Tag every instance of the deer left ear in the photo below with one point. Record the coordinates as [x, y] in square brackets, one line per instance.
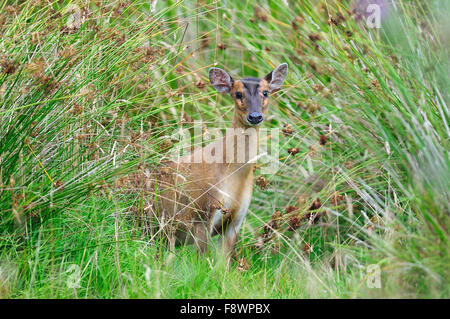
[220, 79]
[276, 77]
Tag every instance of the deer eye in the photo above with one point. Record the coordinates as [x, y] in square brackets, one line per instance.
[266, 93]
[238, 95]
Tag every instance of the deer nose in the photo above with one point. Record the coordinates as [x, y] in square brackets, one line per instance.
[255, 118]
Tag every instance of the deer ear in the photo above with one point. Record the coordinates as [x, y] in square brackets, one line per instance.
[276, 77]
[220, 79]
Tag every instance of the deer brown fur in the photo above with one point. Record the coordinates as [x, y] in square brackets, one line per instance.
[196, 200]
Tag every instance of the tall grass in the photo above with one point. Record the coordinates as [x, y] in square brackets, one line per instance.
[364, 163]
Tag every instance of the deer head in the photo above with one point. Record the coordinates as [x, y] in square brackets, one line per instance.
[251, 95]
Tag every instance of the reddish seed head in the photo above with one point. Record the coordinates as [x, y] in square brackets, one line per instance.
[313, 217]
[274, 224]
[179, 69]
[76, 109]
[59, 185]
[287, 129]
[336, 198]
[315, 205]
[200, 84]
[276, 215]
[312, 107]
[297, 22]
[68, 52]
[262, 182]
[317, 216]
[7, 66]
[332, 21]
[349, 164]
[267, 232]
[375, 83]
[291, 209]
[205, 41]
[12, 9]
[314, 37]
[243, 264]
[301, 105]
[267, 228]
[312, 65]
[293, 150]
[36, 68]
[294, 223]
[323, 140]
[306, 248]
[318, 88]
[259, 14]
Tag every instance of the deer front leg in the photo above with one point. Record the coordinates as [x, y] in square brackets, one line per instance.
[230, 236]
[200, 235]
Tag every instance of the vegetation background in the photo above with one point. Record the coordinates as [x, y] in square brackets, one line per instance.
[92, 90]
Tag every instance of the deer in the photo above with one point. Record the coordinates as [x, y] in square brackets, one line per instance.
[196, 200]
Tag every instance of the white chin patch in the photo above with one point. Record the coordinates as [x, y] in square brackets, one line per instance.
[252, 125]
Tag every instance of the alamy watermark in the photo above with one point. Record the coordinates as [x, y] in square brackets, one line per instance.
[370, 274]
[200, 144]
[74, 276]
[74, 18]
[371, 12]
[373, 276]
[373, 19]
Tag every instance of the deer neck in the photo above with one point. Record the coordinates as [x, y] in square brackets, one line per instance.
[243, 144]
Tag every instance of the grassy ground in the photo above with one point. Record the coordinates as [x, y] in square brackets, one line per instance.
[91, 91]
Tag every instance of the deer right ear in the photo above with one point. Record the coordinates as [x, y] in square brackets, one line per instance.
[276, 77]
[220, 79]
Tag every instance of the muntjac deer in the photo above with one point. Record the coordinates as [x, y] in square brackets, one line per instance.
[197, 199]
